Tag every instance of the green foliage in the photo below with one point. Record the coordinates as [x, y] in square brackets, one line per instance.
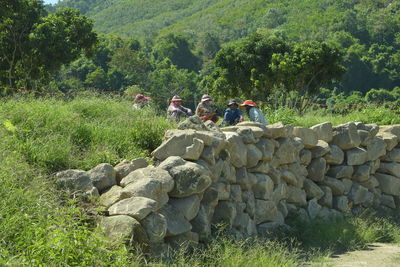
[99, 130]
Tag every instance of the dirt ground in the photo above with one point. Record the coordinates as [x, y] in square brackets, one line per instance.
[377, 254]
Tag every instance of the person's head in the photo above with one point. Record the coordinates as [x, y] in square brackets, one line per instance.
[176, 100]
[206, 99]
[141, 98]
[233, 104]
[248, 104]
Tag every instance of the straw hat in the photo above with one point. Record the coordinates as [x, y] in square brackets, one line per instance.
[206, 98]
[233, 101]
[176, 98]
[141, 97]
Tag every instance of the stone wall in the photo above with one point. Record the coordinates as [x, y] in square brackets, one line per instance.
[249, 177]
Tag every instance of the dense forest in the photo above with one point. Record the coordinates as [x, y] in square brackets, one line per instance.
[234, 48]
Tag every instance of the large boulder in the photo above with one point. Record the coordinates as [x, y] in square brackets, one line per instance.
[225, 212]
[266, 211]
[194, 123]
[335, 156]
[345, 136]
[326, 199]
[296, 196]
[312, 190]
[188, 206]
[155, 226]
[392, 168]
[126, 167]
[112, 196]
[321, 149]
[313, 208]
[287, 152]
[356, 156]
[276, 130]
[393, 155]
[150, 182]
[391, 140]
[324, 131]
[341, 203]
[335, 185]
[376, 148]
[201, 224]
[74, 180]
[316, 169]
[123, 228]
[103, 176]
[267, 148]
[262, 186]
[176, 222]
[237, 149]
[361, 173]
[136, 207]
[305, 156]
[360, 195]
[183, 144]
[308, 136]
[388, 184]
[190, 178]
[341, 171]
[254, 155]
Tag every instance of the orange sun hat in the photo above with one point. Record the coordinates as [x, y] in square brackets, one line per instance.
[250, 103]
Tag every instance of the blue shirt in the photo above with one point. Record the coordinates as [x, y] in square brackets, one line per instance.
[232, 116]
[256, 115]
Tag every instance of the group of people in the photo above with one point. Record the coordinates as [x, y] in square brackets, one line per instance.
[207, 111]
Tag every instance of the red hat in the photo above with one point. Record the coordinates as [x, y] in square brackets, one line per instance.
[141, 97]
[250, 103]
[176, 98]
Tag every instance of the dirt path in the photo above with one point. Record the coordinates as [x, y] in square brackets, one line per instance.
[376, 255]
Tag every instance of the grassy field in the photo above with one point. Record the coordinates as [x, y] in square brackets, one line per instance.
[41, 226]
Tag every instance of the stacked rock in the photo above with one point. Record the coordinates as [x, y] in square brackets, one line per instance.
[247, 177]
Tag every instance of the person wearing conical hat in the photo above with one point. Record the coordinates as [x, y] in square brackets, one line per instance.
[205, 109]
[176, 111]
[232, 114]
[140, 101]
[253, 112]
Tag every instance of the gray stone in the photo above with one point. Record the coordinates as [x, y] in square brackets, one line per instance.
[356, 156]
[280, 192]
[74, 180]
[296, 196]
[361, 173]
[360, 195]
[393, 155]
[345, 136]
[193, 122]
[321, 149]
[236, 193]
[392, 168]
[248, 198]
[388, 201]
[266, 211]
[210, 197]
[341, 203]
[313, 208]
[267, 229]
[341, 171]
[336, 185]
[275, 175]
[176, 222]
[150, 182]
[123, 228]
[267, 148]
[372, 128]
[183, 144]
[347, 185]
[391, 129]
[224, 189]
[247, 135]
[103, 176]
[225, 212]
[136, 207]
[371, 183]
[289, 177]
[188, 240]
[112, 196]
[124, 168]
[188, 206]
[365, 137]
[312, 190]
[282, 208]
[254, 155]
[262, 167]
[335, 156]
[324, 131]
[242, 178]
[390, 140]
[326, 200]
[262, 186]
[287, 152]
[276, 130]
[305, 157]
[208, 155]
[388, 184]
[237, 149]
[155, 225]
[202, 224]
[308, 136]
[190, 178]
[228, 172]
[316, 169]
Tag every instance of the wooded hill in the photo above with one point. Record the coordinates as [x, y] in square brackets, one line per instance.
[368, 30]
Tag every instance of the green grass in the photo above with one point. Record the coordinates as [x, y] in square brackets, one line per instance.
[40, 226]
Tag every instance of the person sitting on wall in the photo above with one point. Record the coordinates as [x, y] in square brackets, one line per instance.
[176, 111]
[206, 110]
[253, 112]
[232, 114]
[140, 101]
